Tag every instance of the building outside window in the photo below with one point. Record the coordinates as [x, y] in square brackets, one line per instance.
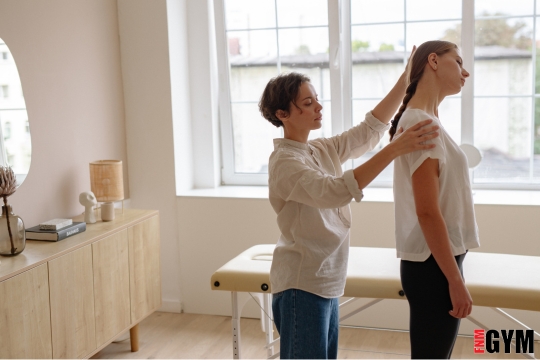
[499, 114]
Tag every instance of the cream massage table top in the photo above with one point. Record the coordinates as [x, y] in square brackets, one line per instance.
[494, 280]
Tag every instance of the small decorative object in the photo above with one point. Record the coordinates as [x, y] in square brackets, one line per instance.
[88, 200]
[12, 234]
[107, 182]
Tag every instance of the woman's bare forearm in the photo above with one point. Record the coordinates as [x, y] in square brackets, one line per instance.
[365, 173]
[434, 229]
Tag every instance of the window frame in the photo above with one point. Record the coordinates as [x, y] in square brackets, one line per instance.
[340, 68]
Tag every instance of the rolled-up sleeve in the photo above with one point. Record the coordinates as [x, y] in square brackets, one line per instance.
[352, 185]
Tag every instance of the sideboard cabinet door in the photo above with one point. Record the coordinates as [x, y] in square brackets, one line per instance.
[25, 324]
[144, 268]
[111, 286]
[72, 304]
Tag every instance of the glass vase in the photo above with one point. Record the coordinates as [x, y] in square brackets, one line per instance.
[12, 234]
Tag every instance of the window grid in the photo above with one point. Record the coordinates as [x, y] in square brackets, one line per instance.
[342, 86]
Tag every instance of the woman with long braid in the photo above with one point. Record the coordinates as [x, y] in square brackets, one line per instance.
[435, 221]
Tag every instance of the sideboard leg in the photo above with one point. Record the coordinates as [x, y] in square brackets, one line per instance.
[134, 336]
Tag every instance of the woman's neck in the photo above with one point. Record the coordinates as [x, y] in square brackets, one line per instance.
[427, 97]
[292, 134]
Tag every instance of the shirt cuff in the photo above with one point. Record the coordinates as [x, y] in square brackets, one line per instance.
[375, 123]
[352, 185]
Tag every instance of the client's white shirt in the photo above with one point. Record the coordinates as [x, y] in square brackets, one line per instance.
[310, 194]
[455, 196]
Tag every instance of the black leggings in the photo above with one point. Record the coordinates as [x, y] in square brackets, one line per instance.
[433, 330]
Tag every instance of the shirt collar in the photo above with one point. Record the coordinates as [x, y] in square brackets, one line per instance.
[287, 142]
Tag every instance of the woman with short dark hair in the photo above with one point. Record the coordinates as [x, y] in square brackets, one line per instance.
[310, 194]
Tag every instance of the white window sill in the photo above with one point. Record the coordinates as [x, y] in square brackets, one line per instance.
[481, 197]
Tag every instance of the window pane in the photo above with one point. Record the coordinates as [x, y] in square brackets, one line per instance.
[503, 7]
[537, 49]
[418, 33]
[369, 11]
[360, 108]
[502, 131]
[304, 44]
[252, 44]
[252, 139]
[302, 12]
[248, 83]
[373, 78]
[503, 57]
[433, 10]
[537, 140]
[375, 38]
[252, 64]
[249, 14]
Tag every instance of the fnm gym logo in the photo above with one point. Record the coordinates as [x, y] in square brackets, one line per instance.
[490, 341]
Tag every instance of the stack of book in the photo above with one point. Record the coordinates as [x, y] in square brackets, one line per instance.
[55, 230]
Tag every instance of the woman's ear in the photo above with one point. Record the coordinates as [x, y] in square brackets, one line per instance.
[282, 115]
[433, 60]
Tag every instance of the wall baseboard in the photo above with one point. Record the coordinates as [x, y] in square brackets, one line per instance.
[174, 306]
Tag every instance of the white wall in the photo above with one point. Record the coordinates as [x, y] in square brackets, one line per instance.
[68, 57]
[146, 71]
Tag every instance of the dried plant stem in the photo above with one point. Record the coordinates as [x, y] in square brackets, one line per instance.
[13, 248]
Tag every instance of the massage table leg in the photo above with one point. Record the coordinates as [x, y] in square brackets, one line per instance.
[362, 308]
[235, 325]
[269, 328]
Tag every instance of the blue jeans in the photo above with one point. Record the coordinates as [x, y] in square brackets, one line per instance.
[308, 325]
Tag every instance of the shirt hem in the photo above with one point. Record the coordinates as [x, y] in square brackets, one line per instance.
[309, 291]
[425, 255]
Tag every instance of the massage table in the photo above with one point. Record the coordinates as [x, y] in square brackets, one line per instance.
[494, 280]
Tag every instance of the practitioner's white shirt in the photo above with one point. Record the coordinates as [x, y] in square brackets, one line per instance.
[310, 194]
[455, 196]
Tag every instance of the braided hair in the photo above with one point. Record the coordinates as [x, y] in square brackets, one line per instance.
[415, 70]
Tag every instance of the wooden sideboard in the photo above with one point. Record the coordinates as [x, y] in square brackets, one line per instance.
[71, 298]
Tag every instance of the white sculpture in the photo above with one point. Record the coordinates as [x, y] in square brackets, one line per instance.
[88, 200]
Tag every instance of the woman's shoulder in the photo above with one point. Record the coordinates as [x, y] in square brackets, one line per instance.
[412, 117]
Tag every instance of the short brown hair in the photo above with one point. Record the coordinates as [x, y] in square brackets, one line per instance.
[279, 93]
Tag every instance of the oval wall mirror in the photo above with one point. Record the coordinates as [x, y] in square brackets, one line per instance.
[15, 143]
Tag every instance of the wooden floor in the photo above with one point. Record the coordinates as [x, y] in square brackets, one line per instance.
[191, 336]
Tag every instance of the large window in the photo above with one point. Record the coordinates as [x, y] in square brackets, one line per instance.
[355, 50]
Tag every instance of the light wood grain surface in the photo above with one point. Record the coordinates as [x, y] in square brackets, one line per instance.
[25, 325]
[194, 336]
[144, 268]
[72, 304]
[39, 252]
[111, 285]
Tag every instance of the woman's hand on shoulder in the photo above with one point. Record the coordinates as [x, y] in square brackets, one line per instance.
[414, 138]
